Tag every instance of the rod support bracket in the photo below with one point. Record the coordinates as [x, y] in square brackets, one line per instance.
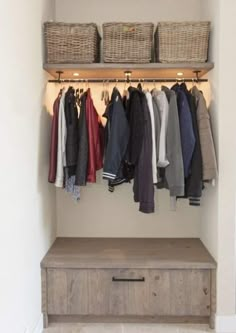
[197, 72]
[59, 75]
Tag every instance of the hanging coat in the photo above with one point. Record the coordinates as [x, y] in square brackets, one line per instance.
[209, 164]
[157, 119]
[61, 148]
[95, 158]
[136, 118]
[163, 106]
[174, 172]
[71, 114]
[82, 157]
[143, 180]
[54, 142]
[117, 129]
[194, 184]
[154, 154]
[186, 129]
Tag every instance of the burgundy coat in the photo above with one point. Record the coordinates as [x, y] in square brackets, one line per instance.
[95, 158]
[54, 142]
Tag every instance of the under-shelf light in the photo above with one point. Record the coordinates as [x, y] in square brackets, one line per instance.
[180, 74]
[76, 74]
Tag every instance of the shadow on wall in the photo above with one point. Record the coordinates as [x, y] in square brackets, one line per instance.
[46, 190]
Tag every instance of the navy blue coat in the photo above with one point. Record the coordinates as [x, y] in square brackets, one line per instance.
[186, 128]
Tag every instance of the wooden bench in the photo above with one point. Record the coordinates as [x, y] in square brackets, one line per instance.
[128, 280]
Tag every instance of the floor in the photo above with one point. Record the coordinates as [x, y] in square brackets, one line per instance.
[126, 328]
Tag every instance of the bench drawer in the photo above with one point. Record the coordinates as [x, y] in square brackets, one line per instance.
[125, 292]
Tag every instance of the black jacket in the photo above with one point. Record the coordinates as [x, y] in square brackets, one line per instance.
[117, 129]
[71, 115]
[136, 118]
[143, 180]
[82, 156]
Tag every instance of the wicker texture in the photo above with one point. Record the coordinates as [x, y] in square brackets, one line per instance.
[71, 43]
[182, 41]
[127, 42]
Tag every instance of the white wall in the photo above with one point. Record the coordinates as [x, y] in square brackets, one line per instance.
[209, 218]
[27, 201]
[227, 160]
[133, 10]
[218, 215]
[100, 213]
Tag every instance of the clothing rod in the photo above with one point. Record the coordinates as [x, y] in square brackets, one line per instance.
[127, 81]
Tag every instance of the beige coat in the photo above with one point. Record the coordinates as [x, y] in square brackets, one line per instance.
[206, 139]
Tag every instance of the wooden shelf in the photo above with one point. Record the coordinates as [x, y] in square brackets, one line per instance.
[139, 71]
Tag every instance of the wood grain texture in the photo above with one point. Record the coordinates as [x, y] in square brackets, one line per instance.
[57, 291]
[98, 292]
[180, 292]
[213, 298]
[129, 298]
[162, 293]
[128, 253]
[44, 290]
[93, 292]
[77, 291]
[116, 71]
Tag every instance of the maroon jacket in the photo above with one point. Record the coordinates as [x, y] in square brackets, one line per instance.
[54, 142]
[95, 158]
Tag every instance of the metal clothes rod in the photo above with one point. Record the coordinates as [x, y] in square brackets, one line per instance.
[128, 79]
[125, 80]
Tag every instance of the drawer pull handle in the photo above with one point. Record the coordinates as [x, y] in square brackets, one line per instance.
[115, 279]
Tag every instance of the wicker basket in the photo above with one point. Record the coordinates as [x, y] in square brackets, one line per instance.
[182, 41]
[71, 43]
[127, 42]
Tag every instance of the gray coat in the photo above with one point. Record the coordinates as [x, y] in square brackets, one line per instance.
[174, 172]
[157, 120]
[209, 164]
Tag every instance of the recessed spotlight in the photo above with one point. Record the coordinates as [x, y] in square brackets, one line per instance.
[76, 74]
[180, 74]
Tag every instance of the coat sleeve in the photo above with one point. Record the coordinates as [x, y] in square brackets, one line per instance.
[53, 144]
[175, 170]
[82, 158]
[206, 141]
[94, 150]
[143, 180]
[118, 141]
[60, 171]
[136, 128]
